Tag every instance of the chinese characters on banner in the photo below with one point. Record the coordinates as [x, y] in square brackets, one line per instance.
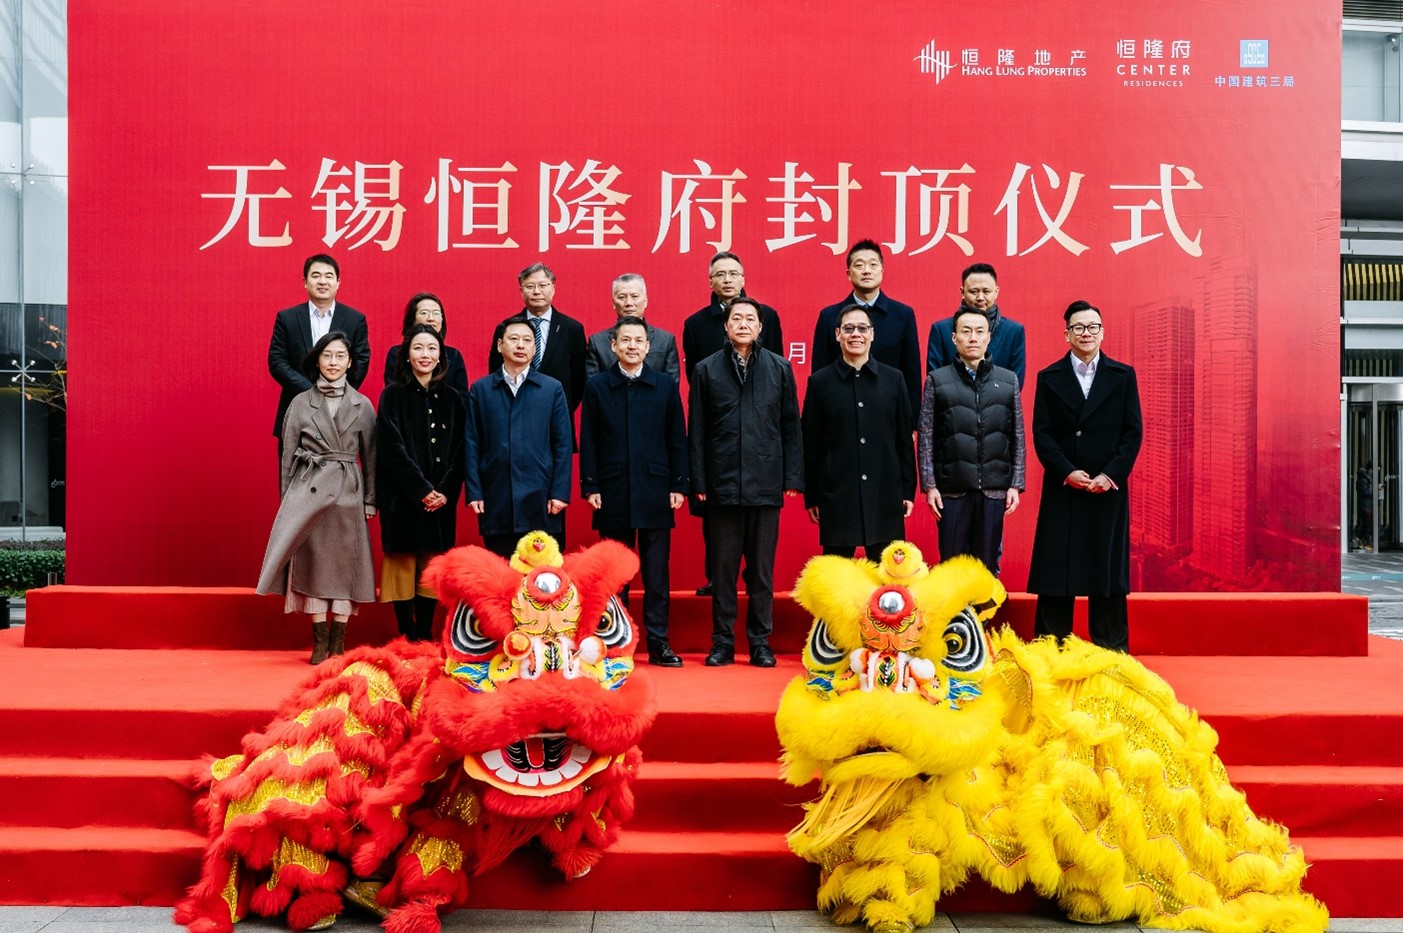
[583, 208]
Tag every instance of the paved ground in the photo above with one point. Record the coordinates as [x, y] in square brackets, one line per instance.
[1380, 577]
[157, 920]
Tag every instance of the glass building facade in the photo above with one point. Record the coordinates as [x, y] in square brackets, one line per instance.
[33, 265]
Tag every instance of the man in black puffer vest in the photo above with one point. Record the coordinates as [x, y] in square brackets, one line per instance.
[971, 448]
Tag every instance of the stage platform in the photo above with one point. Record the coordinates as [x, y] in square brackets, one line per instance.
[93, 809]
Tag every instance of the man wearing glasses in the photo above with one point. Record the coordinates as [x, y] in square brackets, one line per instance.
[859, 468]
[1086, 431]
[972, 453]
[979, 289]
[894, 340]
[704, 333]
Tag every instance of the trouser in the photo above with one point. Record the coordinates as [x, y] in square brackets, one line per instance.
[873, 551]
[654, 547]
[415, 617]
[1107, 620]
[972, 524]
[751, 532]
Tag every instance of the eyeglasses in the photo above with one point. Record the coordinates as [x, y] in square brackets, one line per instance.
[533, 287]
[728, 274]
[856, 328]
[1079, 329]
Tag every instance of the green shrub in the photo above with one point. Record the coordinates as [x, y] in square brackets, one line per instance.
[25, 565]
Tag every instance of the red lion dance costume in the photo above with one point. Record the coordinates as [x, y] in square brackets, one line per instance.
[394, 773]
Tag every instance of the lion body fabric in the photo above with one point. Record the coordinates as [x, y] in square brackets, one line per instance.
[944, 752]
[394, 774]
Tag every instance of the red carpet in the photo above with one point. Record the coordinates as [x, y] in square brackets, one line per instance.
[94, 743]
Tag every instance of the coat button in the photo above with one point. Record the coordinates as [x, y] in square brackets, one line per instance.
[433, 440]
[859, 404]
[438, 460]
[1078, 434]
[864, 477]
[862, 440]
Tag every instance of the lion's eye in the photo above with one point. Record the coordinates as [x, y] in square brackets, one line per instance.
[892, 603]
[467, 637]
[964, 643]
[821, 647]
[615, 629]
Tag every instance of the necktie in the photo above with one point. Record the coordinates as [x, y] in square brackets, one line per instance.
[536, 325]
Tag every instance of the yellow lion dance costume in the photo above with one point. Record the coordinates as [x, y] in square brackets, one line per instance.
[942, 751]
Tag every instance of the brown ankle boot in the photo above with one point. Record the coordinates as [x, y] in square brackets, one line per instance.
[320, 647]
[338, 638]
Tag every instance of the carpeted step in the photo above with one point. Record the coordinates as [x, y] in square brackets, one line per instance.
[97, 865]
[1248, 624]
[732, 796]
[67, 792]
[1323, 799]
[1355, 876]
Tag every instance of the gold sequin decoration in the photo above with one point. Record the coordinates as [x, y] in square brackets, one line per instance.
[353, 724]
[359, 767]
[434, 853]
[1138, 733]
[378, 684]
[1020, 684]
[835, 855]
[462, 805]
[272, 789]
[1087, 813]
[231, 890]
[599, 822]
[1170, 903]
[1005, 849]
[298, 754]
[224, 767]
[561, 820]
[294, 853]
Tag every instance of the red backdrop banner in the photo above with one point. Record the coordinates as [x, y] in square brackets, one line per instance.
[1175, 164]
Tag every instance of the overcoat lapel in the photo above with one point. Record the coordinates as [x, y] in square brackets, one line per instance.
[1107, 379]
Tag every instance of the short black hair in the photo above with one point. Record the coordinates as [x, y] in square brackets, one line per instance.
[309, 362]
[743, 300]
[966, 309]
[861, 245]
[403, 371]
[501, 329]
[409, 310]
[623, 321]
[725, 254]
[979, 268]
[866, 312]
[1076, 306]
[319, 257]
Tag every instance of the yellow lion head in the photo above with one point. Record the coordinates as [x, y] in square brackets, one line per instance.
[897, 654]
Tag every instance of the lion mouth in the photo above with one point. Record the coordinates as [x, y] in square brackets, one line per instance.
[539, 765]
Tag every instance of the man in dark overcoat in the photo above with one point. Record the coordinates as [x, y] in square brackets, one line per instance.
[517, 446]
[859, 469]
[747, 456]
[1086, 431]
[633, 468]
[296, 329]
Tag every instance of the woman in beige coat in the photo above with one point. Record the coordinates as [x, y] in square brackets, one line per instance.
[318, 553]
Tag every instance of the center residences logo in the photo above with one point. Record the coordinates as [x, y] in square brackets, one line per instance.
[1001, 62]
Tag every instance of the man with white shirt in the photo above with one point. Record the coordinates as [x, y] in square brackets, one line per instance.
[629, 294]
[517, 446]
[559, 338]
[297, 329]
[1086, 431]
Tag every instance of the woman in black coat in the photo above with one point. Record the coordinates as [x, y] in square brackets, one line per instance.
[426, 308]
[419, 438]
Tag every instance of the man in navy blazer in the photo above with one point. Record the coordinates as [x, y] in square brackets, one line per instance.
[560, 339]
[1086, 431]
[517, 446]
[1008, 345]
[634, 468]
[894, 338]
[297, 329]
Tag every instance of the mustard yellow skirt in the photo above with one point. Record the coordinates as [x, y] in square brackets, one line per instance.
[400, 575]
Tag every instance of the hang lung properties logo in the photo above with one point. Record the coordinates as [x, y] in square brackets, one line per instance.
[1001, 62]
[935, 61]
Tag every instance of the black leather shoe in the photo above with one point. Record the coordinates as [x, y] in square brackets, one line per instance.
[663, 656]
[720, 656]
[762, 656]
[706, 589]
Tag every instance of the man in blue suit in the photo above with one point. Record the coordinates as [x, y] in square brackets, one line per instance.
[634, 469]
[979, 289]
[518, 446]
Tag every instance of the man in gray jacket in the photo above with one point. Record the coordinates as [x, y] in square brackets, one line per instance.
[630, 296]
[971, 448]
